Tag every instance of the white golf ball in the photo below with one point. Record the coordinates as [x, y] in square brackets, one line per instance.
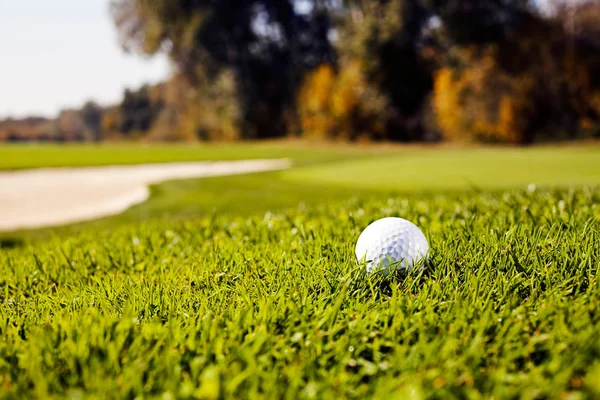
[390, 241]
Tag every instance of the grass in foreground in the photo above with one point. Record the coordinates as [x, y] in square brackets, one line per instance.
[274, 306]
[233, 289]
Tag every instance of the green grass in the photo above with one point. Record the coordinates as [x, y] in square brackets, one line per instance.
[247, 287]
[274, 305]
[323, 174]
[21, 156]
[461, 169]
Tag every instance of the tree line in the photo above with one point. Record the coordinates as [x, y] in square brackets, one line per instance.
[513, 71]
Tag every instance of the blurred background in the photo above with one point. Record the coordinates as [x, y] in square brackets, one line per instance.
[489, 71]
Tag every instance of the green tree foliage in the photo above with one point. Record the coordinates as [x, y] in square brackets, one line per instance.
[91, 114]
[138, 110]
[538, 82]
[266, 44]
[506, 72]
[387, 36]
[493, 70]
[403, 43]
[484, 69]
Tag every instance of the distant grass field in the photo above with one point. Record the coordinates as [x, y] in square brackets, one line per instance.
[322, 173]
[21, 156]
[460, 169]
[247, 287]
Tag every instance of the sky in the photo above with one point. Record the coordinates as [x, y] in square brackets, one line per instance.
[57, 54]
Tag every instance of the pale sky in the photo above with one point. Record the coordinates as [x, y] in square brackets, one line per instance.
[56, 54]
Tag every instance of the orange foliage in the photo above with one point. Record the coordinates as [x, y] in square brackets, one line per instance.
[445, 102]
[595, 102]
[340, 105]
[314, 102]
[479, 101]
[110, 122]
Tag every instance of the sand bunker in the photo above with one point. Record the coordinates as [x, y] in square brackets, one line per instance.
[56, 196]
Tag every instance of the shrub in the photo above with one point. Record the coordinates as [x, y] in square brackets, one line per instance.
[341, 105]
[476, 100]
[538, 84]
[191, 114]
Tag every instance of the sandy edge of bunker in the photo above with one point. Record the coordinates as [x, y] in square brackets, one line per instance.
[39, 198]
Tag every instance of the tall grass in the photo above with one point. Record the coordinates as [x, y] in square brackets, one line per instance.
[274, 306]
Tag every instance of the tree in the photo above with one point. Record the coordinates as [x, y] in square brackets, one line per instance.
[404, 42]
[249, 62]
[70, 125]
[138, 111]
[481, 21]
[267, 44]
[91, 115]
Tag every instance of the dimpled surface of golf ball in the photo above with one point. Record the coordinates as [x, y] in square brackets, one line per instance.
[391, 243]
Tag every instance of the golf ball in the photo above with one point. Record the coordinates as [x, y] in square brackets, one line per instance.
[391, 243]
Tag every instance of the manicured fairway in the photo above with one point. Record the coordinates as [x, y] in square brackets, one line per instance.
[323, 174]
[247, 287]
[461, 169]
[73, 155]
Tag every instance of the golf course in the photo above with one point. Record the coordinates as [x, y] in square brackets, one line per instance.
[247, 286]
